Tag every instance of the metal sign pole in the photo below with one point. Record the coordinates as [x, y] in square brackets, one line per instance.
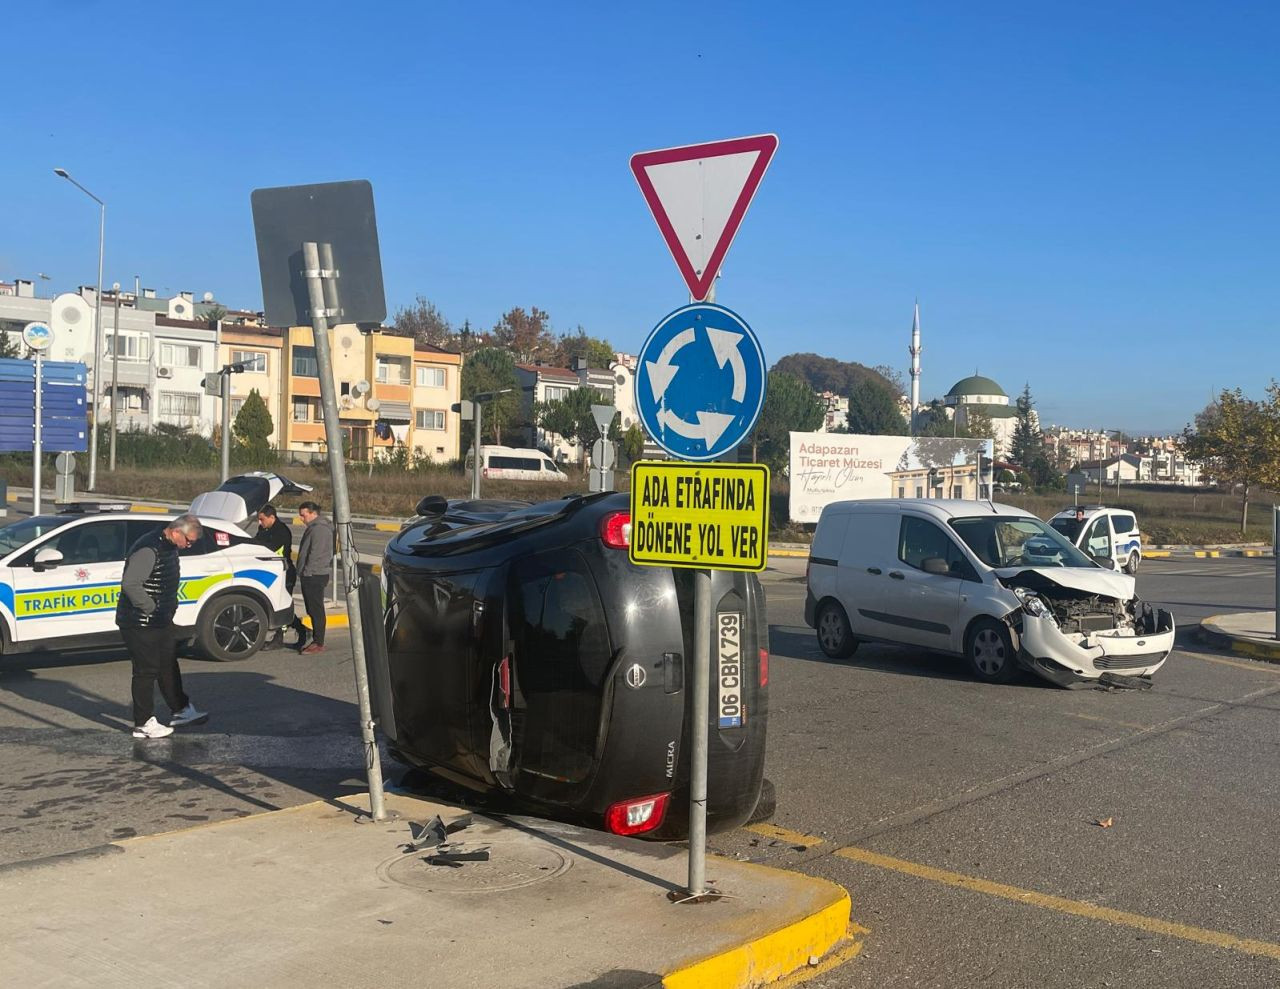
[1275, 558]
[475, 453]
[225, 392]
[115, 370]
[39, 448]
[320, 312]
[698, 741]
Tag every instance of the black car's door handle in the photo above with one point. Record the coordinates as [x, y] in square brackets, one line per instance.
[896, 575]
[874, 570]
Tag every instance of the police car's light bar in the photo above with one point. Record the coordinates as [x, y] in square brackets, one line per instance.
[92, 507]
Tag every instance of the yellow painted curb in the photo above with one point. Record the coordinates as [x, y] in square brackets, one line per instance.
[334, 620]
[800, 553]
[1207, 553]
[386, 526]
[11, 497]
[148, 508]
[1251, 553]
[1156, 554]
[770, 957]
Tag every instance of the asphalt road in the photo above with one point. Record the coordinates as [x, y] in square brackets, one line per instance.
[961, 817]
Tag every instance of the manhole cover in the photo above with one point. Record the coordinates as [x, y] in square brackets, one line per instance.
[510, 866]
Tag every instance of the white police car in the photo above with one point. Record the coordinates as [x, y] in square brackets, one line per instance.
[60, 578]
[1106, 533]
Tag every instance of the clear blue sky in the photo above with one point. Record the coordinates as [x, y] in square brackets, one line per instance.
[1082, 196]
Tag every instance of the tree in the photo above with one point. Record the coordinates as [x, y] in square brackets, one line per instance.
[932, 420]
[526, 334]
[9, 346]
[571, 417]
[873, 410]
[1027, 448]
[977, 424]
[1237, 440]
[789, 405]
[252, 429]
[893, 376]
[491, 369]
[425, 323]
[1027, 436]
[633, 443]
[598, 353]
[828, 374]
[215, 312]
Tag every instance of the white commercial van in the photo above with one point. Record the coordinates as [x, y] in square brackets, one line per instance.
[986, 581]
[510, 463]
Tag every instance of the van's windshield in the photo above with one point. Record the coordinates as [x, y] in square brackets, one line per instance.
[1017, 541]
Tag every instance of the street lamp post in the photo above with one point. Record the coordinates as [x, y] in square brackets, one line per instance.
[115, 368]
[475, 403]
[97, 327]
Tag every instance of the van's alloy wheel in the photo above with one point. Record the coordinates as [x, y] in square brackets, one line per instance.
[835, 637]
[989, 649]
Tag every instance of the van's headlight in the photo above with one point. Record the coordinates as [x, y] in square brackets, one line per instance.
[1032, 604]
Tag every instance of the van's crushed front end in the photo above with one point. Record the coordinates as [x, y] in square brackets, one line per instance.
[1073, 626]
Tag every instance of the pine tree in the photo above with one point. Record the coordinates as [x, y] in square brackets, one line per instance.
[252, 430]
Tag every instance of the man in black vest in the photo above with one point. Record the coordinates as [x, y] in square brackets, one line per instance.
[144, 613]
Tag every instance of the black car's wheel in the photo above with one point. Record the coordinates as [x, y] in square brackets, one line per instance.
[1131, 568]
[989, 649]
[835, 637]
[232, 627]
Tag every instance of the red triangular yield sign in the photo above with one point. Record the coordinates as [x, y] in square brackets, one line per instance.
[699, 195]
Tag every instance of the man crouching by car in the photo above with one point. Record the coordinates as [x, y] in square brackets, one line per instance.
[144, 613]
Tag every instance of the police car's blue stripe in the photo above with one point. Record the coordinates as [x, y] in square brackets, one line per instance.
[264, 577]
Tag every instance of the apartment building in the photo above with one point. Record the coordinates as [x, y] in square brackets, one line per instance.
[373, 378]
[258, 349]
[437, 385]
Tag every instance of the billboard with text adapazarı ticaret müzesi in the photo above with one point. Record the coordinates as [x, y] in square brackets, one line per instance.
[828, 467]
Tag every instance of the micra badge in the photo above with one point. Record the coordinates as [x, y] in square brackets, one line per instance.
[636, 675]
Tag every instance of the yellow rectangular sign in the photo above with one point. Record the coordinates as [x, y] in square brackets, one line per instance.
[713, 516]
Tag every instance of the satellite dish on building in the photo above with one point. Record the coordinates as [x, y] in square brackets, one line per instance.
[208, 297]
[361, 387]
[373, 405]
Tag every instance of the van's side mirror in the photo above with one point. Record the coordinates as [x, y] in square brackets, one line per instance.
[1103, 561]
[47, 559]
[936, 565]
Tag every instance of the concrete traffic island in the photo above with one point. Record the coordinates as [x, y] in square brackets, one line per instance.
[313, 895]
[1249, 633]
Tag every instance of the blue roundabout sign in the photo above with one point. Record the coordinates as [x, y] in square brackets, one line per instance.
[700, 382]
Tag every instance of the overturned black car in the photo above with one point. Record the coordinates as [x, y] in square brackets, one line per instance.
[527, 657]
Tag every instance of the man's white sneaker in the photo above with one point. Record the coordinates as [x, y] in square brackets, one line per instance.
[152, 729]
[188, 716]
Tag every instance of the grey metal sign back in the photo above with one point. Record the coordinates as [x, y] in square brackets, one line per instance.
[337, 213]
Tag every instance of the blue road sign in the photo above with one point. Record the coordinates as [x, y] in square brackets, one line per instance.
[700, 382]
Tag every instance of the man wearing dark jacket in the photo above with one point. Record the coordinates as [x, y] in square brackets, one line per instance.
[144, 613]
[275, 536]
[315, 559]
